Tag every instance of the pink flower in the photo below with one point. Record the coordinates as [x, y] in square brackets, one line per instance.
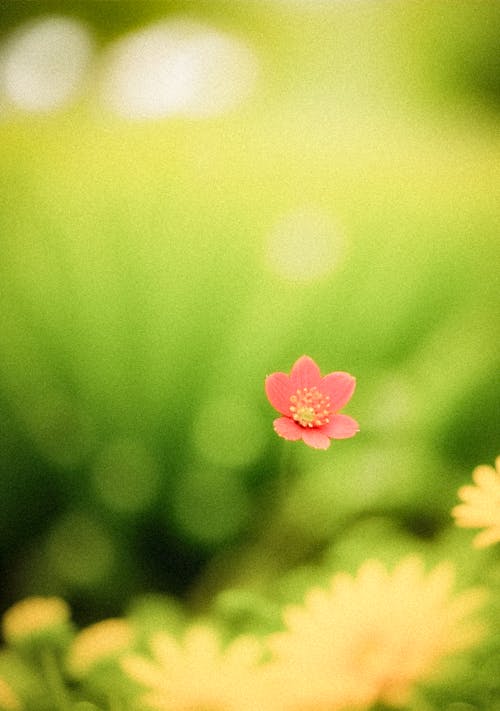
[310, 404]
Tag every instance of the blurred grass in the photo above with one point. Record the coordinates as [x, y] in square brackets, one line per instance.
[135, 296]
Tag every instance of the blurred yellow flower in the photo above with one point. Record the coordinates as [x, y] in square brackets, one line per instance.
[481, 505]
[33, 616]
[8, 698]
[368, 638]
[197, 674]
[100, 642]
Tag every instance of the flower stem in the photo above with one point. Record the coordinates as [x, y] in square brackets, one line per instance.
[54, 681]
[114, 704]
[285, 473]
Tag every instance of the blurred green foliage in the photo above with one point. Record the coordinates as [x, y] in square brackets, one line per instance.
[141, 310]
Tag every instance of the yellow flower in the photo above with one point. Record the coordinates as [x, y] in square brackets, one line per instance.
[368, 638]
[34, 616]
[100, 642]
[197, 674]
[481, 507]
[8, 698]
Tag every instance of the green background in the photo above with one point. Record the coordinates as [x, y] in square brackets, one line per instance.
[140, 313]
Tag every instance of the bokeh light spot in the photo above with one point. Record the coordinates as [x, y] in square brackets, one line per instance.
[210, 506]
[392, 403]
[79, 550]
[44, 63]
[304, 245]
[125, 476]
[228, 432]
[63, 431]
[177, 68]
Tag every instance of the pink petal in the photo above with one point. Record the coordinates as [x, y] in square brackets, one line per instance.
[278, 391]
[315, 438]
[340, 387]
[305, 373]
[340, 427]
[288, 428]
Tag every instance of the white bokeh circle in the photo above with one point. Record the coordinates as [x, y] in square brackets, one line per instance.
[177, 68]
[43, 64]
[304, 245]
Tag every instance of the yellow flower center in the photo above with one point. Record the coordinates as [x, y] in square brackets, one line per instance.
[310, 408]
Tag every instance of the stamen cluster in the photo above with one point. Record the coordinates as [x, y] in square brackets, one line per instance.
[310, 408]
